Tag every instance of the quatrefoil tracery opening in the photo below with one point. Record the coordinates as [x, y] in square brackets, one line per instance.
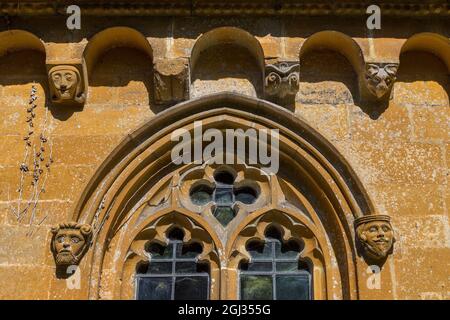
[224, 193]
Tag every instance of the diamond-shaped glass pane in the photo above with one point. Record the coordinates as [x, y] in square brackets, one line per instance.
[224, 215]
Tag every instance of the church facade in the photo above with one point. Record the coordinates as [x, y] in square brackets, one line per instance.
[224, 150]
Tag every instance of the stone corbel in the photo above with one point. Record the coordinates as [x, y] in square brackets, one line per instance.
[69, 243]
[379, 78]
[282, 81]
[375, 237]
[170, 81]
[68, 83]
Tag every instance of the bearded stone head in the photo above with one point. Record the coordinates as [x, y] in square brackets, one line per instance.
[376, 235]
[66, 84]
[69, 243]
[380, 78]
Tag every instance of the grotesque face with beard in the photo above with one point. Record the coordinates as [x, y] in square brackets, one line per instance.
[69, 242]
[375, 235]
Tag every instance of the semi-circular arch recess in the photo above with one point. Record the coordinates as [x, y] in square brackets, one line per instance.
[139, 180]
[19, 40]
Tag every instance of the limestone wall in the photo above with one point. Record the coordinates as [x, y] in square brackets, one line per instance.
[400, 149]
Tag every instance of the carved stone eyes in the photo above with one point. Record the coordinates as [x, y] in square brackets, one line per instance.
[75, 239]
[61, 239]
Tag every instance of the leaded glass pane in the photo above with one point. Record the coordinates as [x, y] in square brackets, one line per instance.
[152, 288]
[292, 281]
[159, 267]
[286, 251]
[260, 250]
[256, 287]
[245, 195]
[186, 267]
[292, 287]
[260, 266]
[201, 195]
[224, 215]
[287, 266]
[160, 275]
[224, 177]
[158, 251]
[188, 251]
[224, 196]
[191, 288]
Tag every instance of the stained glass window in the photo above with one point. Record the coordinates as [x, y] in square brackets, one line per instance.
[224, 195]
[274, 272]
[173, 272]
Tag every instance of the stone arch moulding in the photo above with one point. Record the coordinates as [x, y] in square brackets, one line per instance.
[138, 180]
[18, 40]
[111, 38]
[154, 229]
[335, 41]
[229, 36]
[293, 226]
[375, 78]
[429, 42]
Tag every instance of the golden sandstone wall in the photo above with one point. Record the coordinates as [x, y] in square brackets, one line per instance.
[399, 150]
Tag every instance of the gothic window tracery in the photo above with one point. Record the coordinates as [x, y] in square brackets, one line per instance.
[274, 271]
[173, 271]
[224, 194]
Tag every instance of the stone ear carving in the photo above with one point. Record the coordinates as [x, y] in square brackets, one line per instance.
[282, 81]
[70, 242]
[66, 85]
[170, 81]
[380, 77]
[375, 236]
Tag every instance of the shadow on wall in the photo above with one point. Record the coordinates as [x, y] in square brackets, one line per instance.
[121, 77]
[422, 79]
[226, 66]
[19, 70]
[326, 77]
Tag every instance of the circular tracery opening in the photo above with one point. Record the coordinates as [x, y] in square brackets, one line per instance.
[224, 194]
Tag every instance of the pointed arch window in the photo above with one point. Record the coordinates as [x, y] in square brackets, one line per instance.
[275, 271]
[174, 272]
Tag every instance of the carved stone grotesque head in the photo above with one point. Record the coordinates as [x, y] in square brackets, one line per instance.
[66, 84]
[282, 79]
[70, 241]
[380, 77]
[375, 235]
